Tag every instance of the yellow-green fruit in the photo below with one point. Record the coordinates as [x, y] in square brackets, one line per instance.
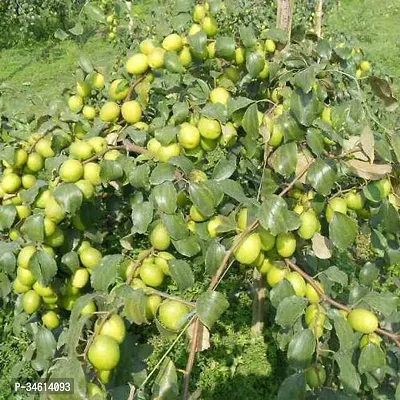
[43, 198]
[337, 204]
[80, 278]
[370, 338]
[43, 147]
[196, 215]
[188, 136]
[99, 144]
[89, 309]
[232, 73]
[266, 265]
[112, 155]
[153, 146]
[312, 295]
[316, 376]
[35, 162]
[209, 26]
[23, 211]
[298, 283]
[118, 89]
[265, 71]
[20, 158]
[104, 376]
[137, 64]
[25, 276]
[114, 327]
[151, 274]
[309, 225]
[167, 152]
[51, 320]
[159, 237]
[354, 200]
[219, 95]
[172, 42]
[71, 170]
[363, 321]
[249, 249]
[50, 299]
[267, 239]
[208, 144]
[136, 282]
[212, 226]
[270, 46]
[365, 66]
[152, 303]
[276, 275]
[173, 314]
[43, 291]
[25, 255]
[162, 261]
[81, 150]
[240, 55]
[131, 111]
[91, 173]
[211, 49]
[86, 187]
[146, 46]
[83, 89]
[11, 183]
[285, 244]
[89, 112]
[75, 103]
[385, 187]
[56, 239]
[54, 210]
[241, 219]
[94, 392]
[104, 353]
[199, 13]
[326, 115]
[14, 234]
[195, 28]
[98, 81]
[31, 301]
[185, 56]
[156, 58]
[28, 181]
[209, 128]
[90, 258]
[19, 287]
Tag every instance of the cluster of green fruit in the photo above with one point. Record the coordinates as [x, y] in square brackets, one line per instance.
[112, 22]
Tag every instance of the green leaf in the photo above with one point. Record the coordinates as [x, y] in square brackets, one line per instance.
[33, 227]
[203, 198]
[289, 310]
[28, 196]
[293, 388]
[60, 34]
[322, 177]
[198, 45]
[110, 170]
[165, 385]
[385, 302]
[45, 344]
[248, 36]
[214, 255]
[315, 141]
[224, 169]
[238, 103]
[210, 306]
[301, 349]
[234, 189]
[336, 275]
[305, 79]
[139, 176]
[135, 306]
[342, 230]
[281, 291]
[43, 267]
[252, 129]
[93, 12]
[7, 216]
[305, 106]
[71, 261]
[106, 273]
[183, 163]
[69, 196]
[371, 358]
[180, 112]
[348, 374]
[275, 216]
[5, 285]
[85, 63]
[225, 47]
[176, 226]
[344, 333]
[181, 273]
[77, 30]
[142, 215]
[396, 144]
[284, 159]
[389, 218]
[255, 63]
[172, 62]
[166, 197]
[188, 247]
[215, 111]
[8, 261]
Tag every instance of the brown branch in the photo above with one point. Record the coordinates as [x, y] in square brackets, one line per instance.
[394, 336]
[318, 18]
[134, 85]
[137, 264]
[192, 356]
[298, 176]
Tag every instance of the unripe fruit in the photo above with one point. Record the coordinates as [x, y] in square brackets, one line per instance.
[337, 204]
[89, 309]
[156, 58]
[91, 173]
[54, 210]
[249, 249]
[152, 303]
[23, 211]
[185, 57]
[98, 81]
[43, 147]
[220, 95]
[365, 66]
[75, 103]
[20, 287]
[285, 244]
[199, 13]
[31, 302]
[384, 187]
[104, 376]
[159, 237]
[162, 261]
[56, 239]
[267, 239]
[81, 150]
[112, 155]
[265, 71]
[20, 158]
[151, 274]
[28, 181]
[309, 225]
[316, 376]
[71, 170]
[240, 55]
[90, 257]
[196, 215]
[298, 283]
[213, 225]
[311, 294]
[25, 255]
[326, 115]
[51, 320]
[104, 353]
[172, 42]
[276, 275]
[14, 234]
[188, 136]
[11, 183]
[89, 112]
[276, 136]
[146, 46]
[83, 89]
[136, 282]
[270, 46]
[167, 152]
[43, 291]
[80, 278]
[209, 128]
[154, 146]
[172, 314]
[354, 200]
[195, 28]
[25, 276]
[99, 144]
[131, 111]
[209, 26]
[118, 89]
[114, 327]
[137, 64]
[86, 188]
[363, 321]
[35, 162]
[50, 299]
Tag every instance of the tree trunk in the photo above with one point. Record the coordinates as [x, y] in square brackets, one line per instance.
[318, 18]
[285, 15]
[259, 293]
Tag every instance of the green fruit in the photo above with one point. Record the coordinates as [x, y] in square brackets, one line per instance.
[326, 115]
[154, 146]
[285, 244]
[363, 321]
[211, 49]
[25, 255]
[104, 353]
[136, 283]
[232, 73]
[240, 55]
[151, 274]
[385, 187]
[316, 376]
[83, 89]
[28, 181]
[89, 112]
[337, 204]
[31, 302]
[43, 198]
[104, 376]
[93, 391]
[146, 46]
[188, 136]
[354, 200]
[20, 287]
[209, 128]
[312, 295]
[131, 111]
[185, 57]
[276, 136]
[270, 46]
[219, 95]
[99, 144]
[159, 237]
[195, 28]
[71, 170]
[43, 291]
[156, 58]
[162, 261]
[266, 265]
[196, 215]
[81, 150]
[249, 249]
[298, 283]
[365, 66]
[152, 303]
[23, 211]
[209, 26]
[50, 299]
[89, 309]
[51, 320]
[118, 90]
[86, 188]
[98, 81]
[20, 158]
[369, 273]
[199, 13]
[169, 151]
[276, 275]
[11, 183]
[109, 112]
[56, 239]
[112, 155]
[172, 42]
[90, 258]
[114, 327]
[267, 239]
[35, 162]
[75, 103]
[213, 225]
[265, 71]
[43, 148]
[25, 276]
[54, 210]
[137, 64]
[80, 278]
[208, 144]
[309, 225]
[91, 173]
[173, 314]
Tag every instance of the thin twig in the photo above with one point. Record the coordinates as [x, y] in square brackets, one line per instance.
[294, 181]
[137, 264]
[134, 85]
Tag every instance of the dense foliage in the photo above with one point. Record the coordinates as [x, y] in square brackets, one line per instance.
[153, 206]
